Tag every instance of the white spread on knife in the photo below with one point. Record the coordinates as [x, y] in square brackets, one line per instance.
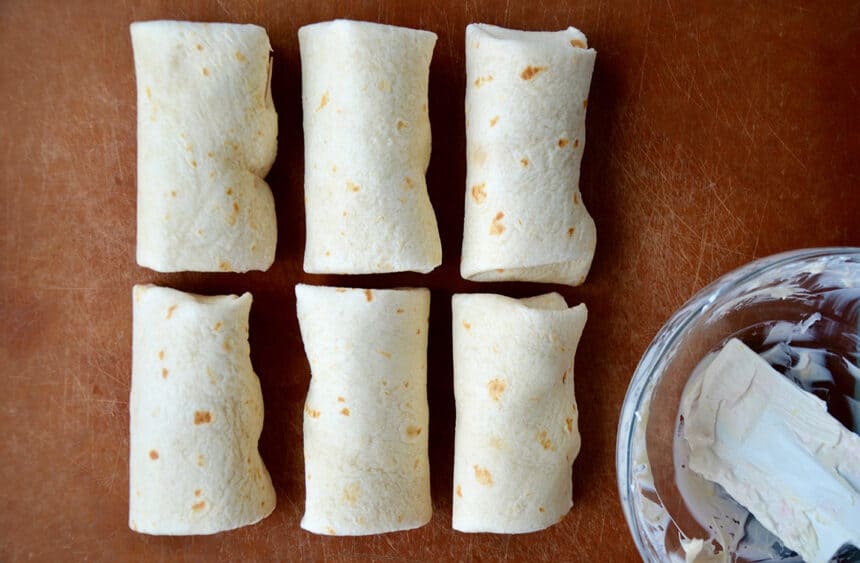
[776, 450]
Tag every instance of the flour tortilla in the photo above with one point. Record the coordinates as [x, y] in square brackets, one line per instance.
[516, 434]
[367, 147]
[206, 137]
[366, 416]
[196, 415]
[526, 94]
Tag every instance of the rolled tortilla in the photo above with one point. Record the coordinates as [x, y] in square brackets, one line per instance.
[196, 415]
[526, 94]
[516, 434]
[367, 146]
[366, 416]
[206, 137]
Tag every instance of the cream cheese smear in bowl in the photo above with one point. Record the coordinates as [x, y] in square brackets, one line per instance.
[738, 438]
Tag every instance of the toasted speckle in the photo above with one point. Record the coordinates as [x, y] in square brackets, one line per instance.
[585, 103]
[562, 143]
[170, 311]
[228, 347]
[481, 80]
[330, 531]
[570, 232]
[198, 492]
[323, 101]
[576, 143]
[193, 165]
[311, 412]
[198, 506]
[205, 71]
[408, 183]
[202, 417]
[217, 326]
[199, 460]
[467, 326]
[340, 290]
[496, 228]
[524, 162]
[494, 121]
[399, 311]
[148, 92]
[385, 354]
[568, 422]
[224, 266]
[341, 400]
[576, 198]
[384, 86]
[344, 411]
[352, 493]
[479, 192]
[230, 192]
[353, 187]
[483, 476]
[153, 455]
[459, 491]
[240, 57]
[577, 43]
[161, 354]
[497, 443]
[496, 387]
[164, 373]
[544, 440]
[531, 71]
[368, 294]
[400, 124]
[541, 509]
[413, 431]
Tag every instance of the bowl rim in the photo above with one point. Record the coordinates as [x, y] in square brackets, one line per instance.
[654, 357]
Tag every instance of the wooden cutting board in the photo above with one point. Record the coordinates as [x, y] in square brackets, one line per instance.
[717, 133]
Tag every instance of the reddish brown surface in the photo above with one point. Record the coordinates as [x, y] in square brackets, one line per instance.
[716, 134]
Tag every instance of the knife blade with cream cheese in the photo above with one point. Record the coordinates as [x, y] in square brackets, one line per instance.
[776, 450]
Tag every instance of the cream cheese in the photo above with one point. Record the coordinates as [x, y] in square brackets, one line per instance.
[775, 449]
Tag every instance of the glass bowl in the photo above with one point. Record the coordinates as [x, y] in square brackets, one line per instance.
[801, 300]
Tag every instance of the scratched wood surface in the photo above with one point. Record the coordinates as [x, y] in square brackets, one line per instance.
[717, 133]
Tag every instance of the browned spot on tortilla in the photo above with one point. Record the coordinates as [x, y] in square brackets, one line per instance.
[568, 422]
[544, 440]
[328, 253]
[406, 385]
[467, 326]
[198, 492]
[413, 431]
[148, 92]
[481, 80]
[562, 143]
[385, 354]
[459, 491]
[576, 198]
[330, 530]
[240, 57]
[400, 125]
[198, 506]
[312, 412]
[496, 228]
[585, 103]
[170, 311]
[199, 460]
[224, 266]
[524, 162]
[217, 326]
[496, 387]
[153, 455]
[344, 411]
[193, 165]
[341, 400]
[323, 101]
[205, 71]
[417, 331]
[576, 143]
[368, 294]
[351, 493]
[228, 347]
[399, 311]
[408, 182]
[340, 290]
[500, 270]
[161, 354]
[577, 43]
[164, 373]
[199, 47]
[483, 476]
[352, 186]
[570, 231]
[531, 71]
[541, 509]
[235, 207]
[202, 417]
[494, 121]
[479, 192]
[210, 154]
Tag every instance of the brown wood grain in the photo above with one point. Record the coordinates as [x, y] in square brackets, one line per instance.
[718, 132]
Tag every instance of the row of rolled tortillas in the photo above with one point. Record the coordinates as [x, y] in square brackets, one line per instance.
[207, 135]
[197, 412]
